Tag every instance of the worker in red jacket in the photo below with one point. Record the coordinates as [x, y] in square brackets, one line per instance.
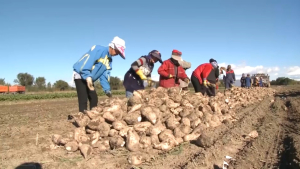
[171, 71]
[204, 78]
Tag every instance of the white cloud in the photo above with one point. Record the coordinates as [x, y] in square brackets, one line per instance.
[242, 68]
[71, 83]
[155, 77]
[293, 71]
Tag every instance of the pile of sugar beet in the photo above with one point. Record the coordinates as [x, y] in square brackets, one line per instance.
[154, 119]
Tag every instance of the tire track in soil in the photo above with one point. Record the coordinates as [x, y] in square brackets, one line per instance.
[228, 140]
[233, 140]
[276, 146]
[262, 151]
[289, 148]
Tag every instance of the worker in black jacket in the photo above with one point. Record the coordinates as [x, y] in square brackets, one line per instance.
[212, 78]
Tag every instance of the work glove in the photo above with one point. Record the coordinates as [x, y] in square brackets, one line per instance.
[149, 81]
[205, 83]
[108, 93]
[141, 74]
[170, 76]
[89, 82]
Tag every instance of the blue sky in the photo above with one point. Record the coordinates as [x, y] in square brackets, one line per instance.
[47, 38]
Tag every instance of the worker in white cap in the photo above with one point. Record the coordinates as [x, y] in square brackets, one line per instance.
[93, 65]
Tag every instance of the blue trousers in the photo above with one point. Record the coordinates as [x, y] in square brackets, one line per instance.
[129, 94]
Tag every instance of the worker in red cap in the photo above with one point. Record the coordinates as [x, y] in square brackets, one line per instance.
[172, 74]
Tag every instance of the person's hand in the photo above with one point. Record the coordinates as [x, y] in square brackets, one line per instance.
[205, 83]
[108, 93]
[141, 74]
[149, 81]
[89, 82]
[186, 80]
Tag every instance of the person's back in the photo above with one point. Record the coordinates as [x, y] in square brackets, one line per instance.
[230, 76]
[248, 81]
[243, 80]
[260, 82]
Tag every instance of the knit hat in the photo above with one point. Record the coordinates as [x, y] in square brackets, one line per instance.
[176, 54]
[119, 44]
[213, 62]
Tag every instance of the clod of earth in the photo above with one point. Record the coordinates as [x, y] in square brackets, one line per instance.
[156, 119]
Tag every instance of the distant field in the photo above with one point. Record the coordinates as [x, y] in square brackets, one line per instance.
[43, 95]
[50, 95]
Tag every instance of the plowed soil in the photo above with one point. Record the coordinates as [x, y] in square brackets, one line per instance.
[26, 129]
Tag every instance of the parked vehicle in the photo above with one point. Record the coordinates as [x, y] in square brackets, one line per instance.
[16, 89]
[265, 79]
[3, 89]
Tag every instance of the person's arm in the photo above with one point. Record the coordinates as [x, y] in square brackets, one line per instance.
[162, 70]
[89, 60]
[136, 67]
[217, 72]
[233, 75]
[105, 81]
[138, 63]
[198, 75]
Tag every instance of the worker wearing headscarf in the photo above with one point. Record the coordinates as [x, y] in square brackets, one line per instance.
[139, 71]
[171, 72]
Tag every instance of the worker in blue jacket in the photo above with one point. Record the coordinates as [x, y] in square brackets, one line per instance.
[93, 65]
[248, 81]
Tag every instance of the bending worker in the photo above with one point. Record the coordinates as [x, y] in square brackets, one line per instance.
[139, 71]
[93, 65]
[171, 72]
[205, 76]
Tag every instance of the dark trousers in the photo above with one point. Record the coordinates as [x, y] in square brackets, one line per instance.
[210, 90]
[84, 94]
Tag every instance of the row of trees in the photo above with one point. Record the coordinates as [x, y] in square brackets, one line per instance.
[39, 83]
[284, 81]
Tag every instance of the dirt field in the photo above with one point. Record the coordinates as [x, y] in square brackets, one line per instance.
[26, 128]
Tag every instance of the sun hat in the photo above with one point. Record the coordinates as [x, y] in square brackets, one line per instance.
[176, 54]
[119, 44]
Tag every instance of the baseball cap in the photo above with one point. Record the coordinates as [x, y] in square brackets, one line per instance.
[119, 44]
